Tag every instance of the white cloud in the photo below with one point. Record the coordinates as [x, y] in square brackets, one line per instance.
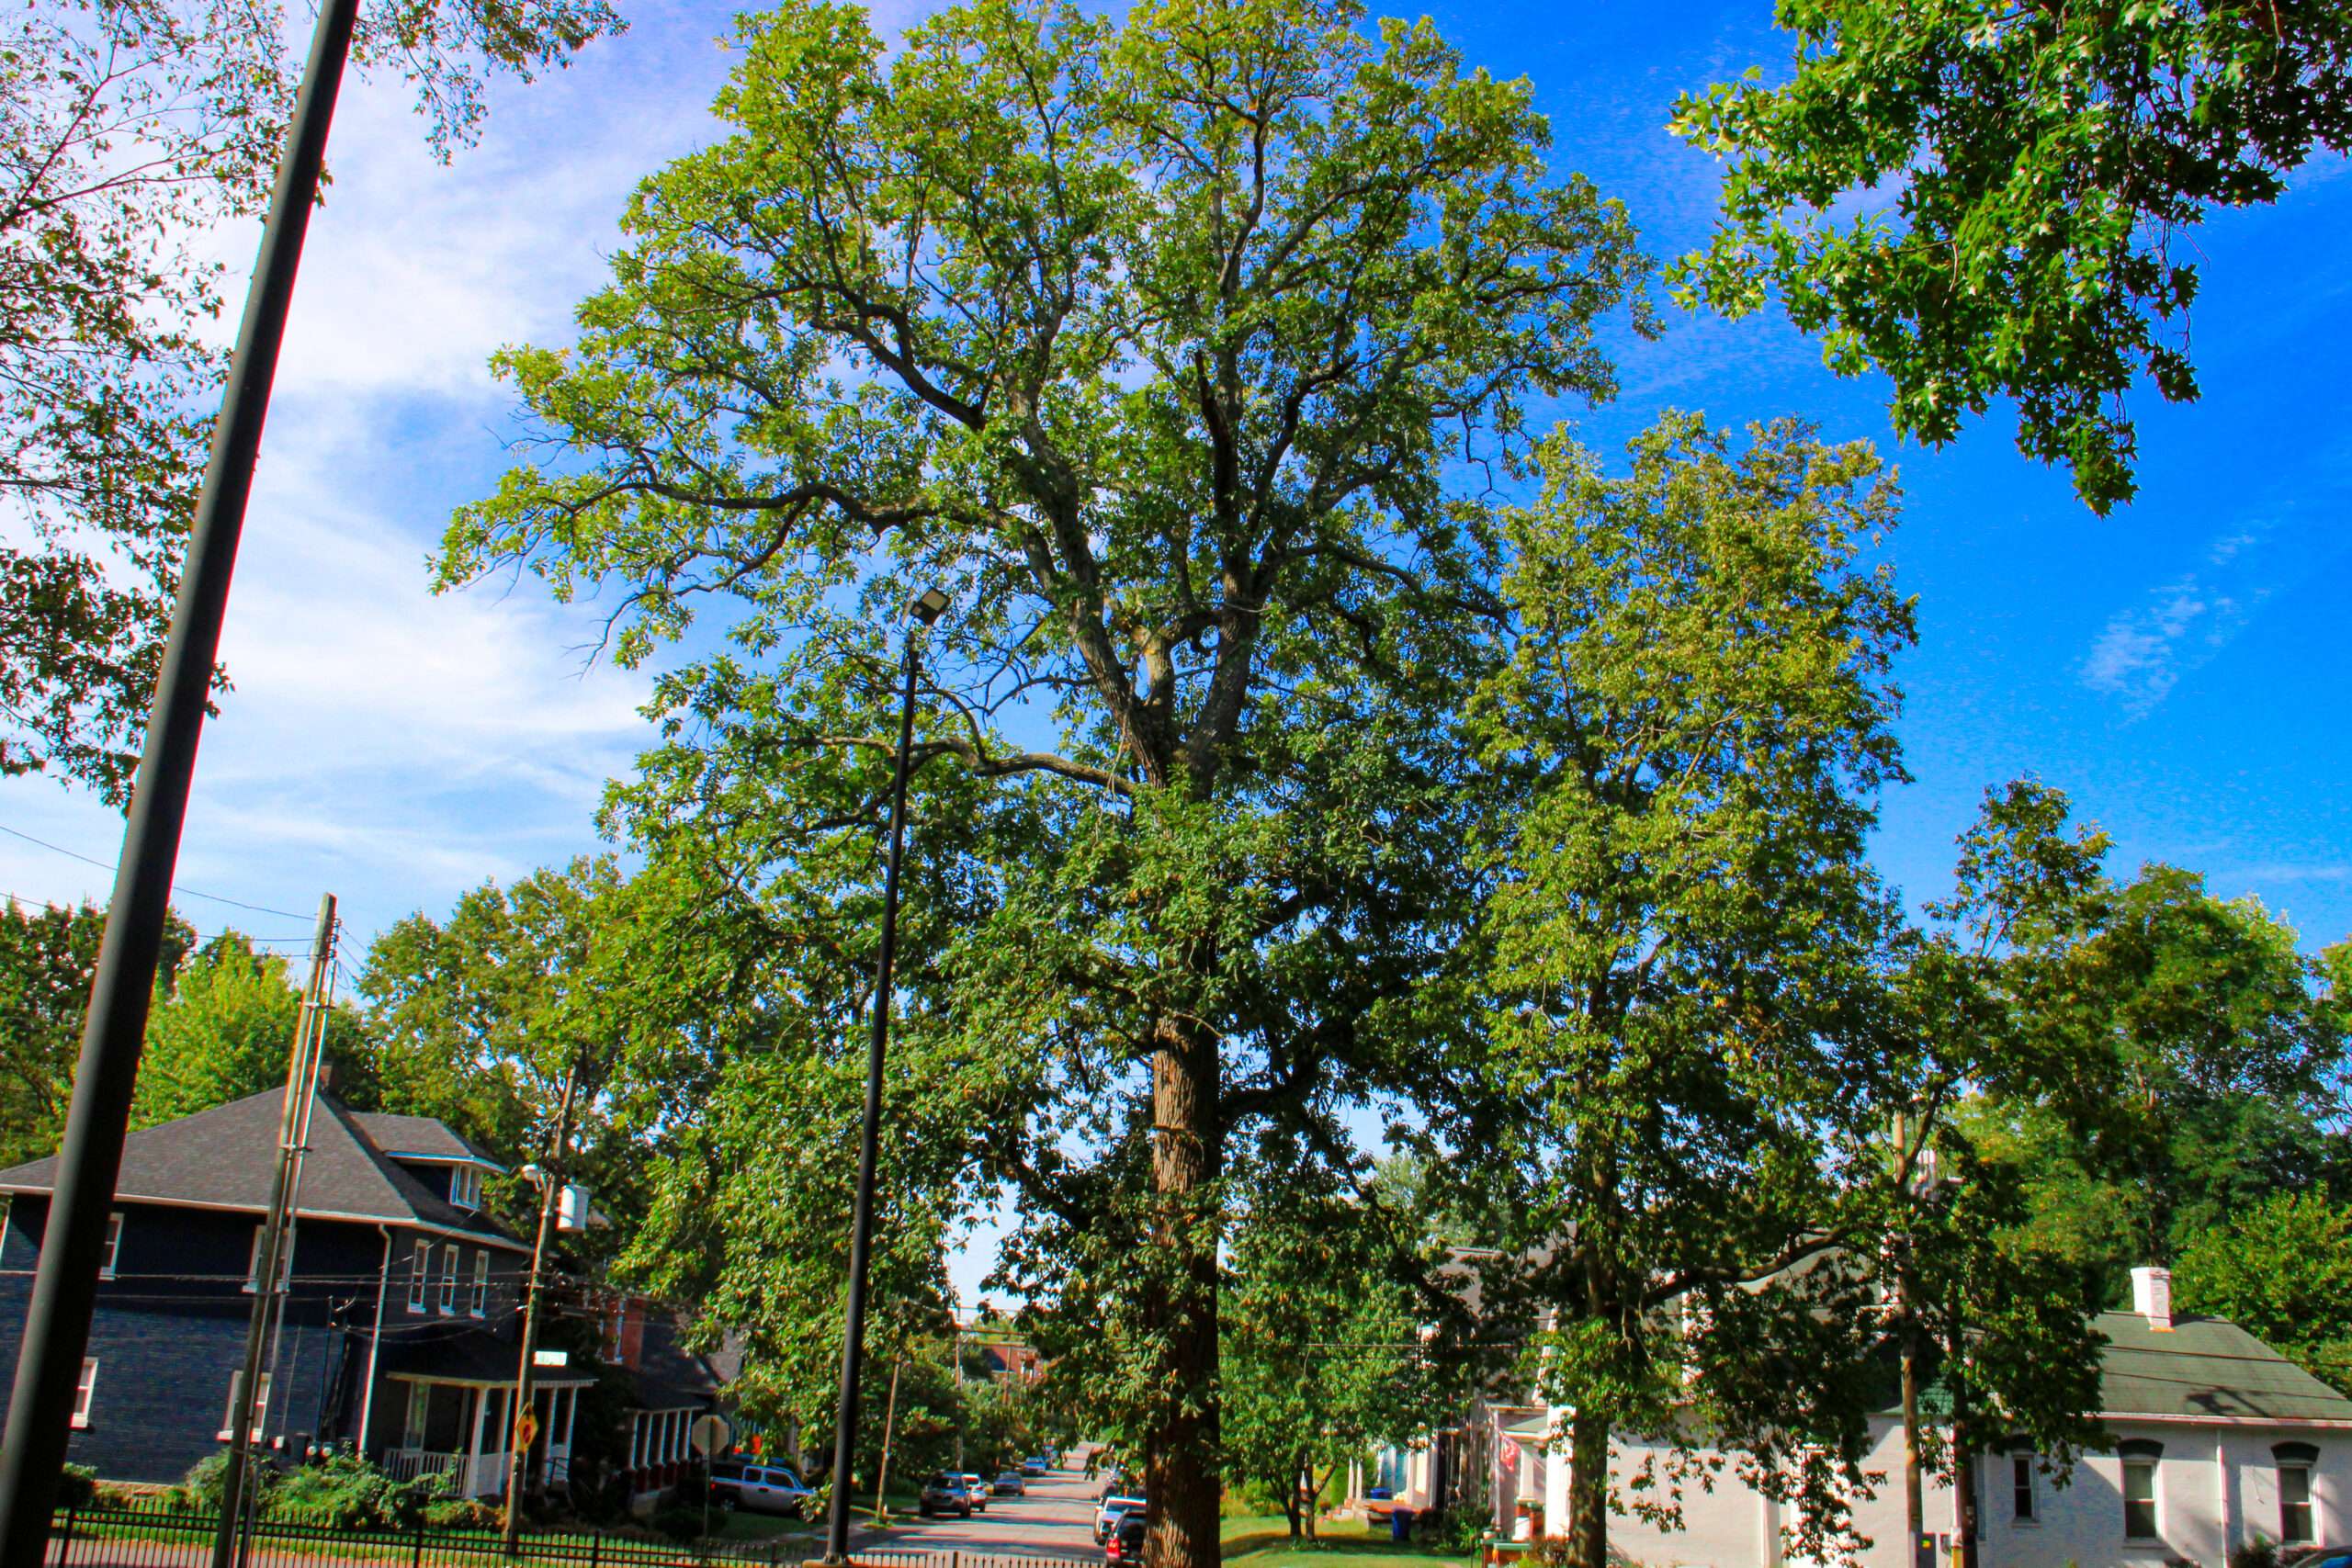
[2143, 652]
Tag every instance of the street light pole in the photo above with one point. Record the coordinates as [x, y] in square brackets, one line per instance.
[921, 611]
[65, 1284]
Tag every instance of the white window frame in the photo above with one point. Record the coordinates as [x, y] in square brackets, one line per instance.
[2025, 1486]
[285, 1258]
[113, 1245]
[465, 1187]
[448, 1302]
[259, 1413]
[420, 1273]
[2309, 1503]
[2153, 1466]
[85, 1390]
[478, 1304]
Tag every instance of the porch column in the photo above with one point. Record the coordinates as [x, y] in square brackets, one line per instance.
[473, 1451]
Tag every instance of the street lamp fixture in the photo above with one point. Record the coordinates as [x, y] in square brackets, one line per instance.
[923, 609]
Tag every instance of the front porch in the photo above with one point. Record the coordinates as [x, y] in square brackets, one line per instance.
[461, 1429]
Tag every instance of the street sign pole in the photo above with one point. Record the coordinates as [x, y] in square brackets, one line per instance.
[64, 1290]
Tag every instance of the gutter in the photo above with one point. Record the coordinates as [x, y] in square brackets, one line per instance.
[375, 1341]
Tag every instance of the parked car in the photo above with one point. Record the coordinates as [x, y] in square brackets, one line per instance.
[1010, 1484]
[1034, 1466]
[945, 1493]
[2316, 1557]
[759, 1488]
[1114, 1506]
[976, 1488]
[1125, 1544]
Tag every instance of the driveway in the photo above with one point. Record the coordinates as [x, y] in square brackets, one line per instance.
[1055, 1519]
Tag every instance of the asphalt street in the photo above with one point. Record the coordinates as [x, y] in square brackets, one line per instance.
[1055, 1519]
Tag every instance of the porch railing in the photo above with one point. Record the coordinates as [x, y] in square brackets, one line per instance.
[407, 1464]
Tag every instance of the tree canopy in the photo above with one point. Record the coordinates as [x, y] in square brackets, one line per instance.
[1681, 1051]
[1986, 200]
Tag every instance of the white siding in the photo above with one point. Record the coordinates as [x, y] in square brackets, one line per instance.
[2217, 1487]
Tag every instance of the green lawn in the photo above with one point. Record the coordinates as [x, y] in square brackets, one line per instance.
[1263, 1541]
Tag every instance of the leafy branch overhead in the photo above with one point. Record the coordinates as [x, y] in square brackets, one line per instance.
[1985, 200]
[130, 130]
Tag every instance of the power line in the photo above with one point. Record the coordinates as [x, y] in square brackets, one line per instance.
[287, 946]
[176, 886]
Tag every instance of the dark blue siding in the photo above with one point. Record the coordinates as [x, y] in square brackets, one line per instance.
[170, 1328]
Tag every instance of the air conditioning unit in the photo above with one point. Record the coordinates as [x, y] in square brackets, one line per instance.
[571, 1212]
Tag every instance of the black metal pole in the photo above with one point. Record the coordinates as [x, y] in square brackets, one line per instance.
[57, 1321]
[870, 1137]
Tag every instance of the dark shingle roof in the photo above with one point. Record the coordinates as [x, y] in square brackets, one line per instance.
[227, 1156]
[667, 1375]
[421, 1136]
[2206, 1367]
[471, 1352]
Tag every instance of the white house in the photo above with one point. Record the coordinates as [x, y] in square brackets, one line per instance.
[2216, 1440]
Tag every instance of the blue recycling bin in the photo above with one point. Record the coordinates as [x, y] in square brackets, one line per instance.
[1400, 1524]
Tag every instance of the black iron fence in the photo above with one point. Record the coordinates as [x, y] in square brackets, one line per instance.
[137, 1535]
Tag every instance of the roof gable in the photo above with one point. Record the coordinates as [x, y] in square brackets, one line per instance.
[2205, 1368]
[227, 1157]
[422, 1138]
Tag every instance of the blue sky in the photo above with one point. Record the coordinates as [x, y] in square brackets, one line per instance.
[2179, 667]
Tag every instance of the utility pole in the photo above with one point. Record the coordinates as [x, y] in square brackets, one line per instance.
[65, 1284]
[551, 1186]
[1915, 1516]
[275, 1251]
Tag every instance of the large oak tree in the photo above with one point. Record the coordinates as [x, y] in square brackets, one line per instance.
[1182, 351]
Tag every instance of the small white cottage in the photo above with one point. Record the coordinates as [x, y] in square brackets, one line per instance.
[2217, 1441]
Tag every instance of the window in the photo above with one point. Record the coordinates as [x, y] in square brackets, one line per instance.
[84, 1387]
[2021, 1488]
[420, 1269]
[612, 1329]
[259, 1414]
[2295, 1462]
[465, 1187]
[2140, 1461]
[449, 1277]
[480, 1302]
[113, 1249]
[420, 1405]
[285, 1257]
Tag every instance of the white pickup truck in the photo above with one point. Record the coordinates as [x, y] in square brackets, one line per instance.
[1107, 1512]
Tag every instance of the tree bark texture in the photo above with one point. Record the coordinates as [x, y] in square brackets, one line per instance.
[1587, 1491]
[1182, 1484]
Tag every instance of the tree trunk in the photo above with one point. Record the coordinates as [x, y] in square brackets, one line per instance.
[1290, 1506]
[1963, 1478]
[1181, 1282]
[1587, 1491]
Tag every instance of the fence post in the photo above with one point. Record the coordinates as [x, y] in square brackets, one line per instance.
[596, 1546]
[416, 1545]
[65, 1547]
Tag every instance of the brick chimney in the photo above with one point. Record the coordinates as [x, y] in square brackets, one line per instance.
[2151, 1296]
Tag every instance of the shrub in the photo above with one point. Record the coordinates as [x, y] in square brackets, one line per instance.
[345, 1492]
[77, 1487]
[1466, 1526]
[461, 1514]
[677, 1523]
[206, 1478]
[2259, 1552]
